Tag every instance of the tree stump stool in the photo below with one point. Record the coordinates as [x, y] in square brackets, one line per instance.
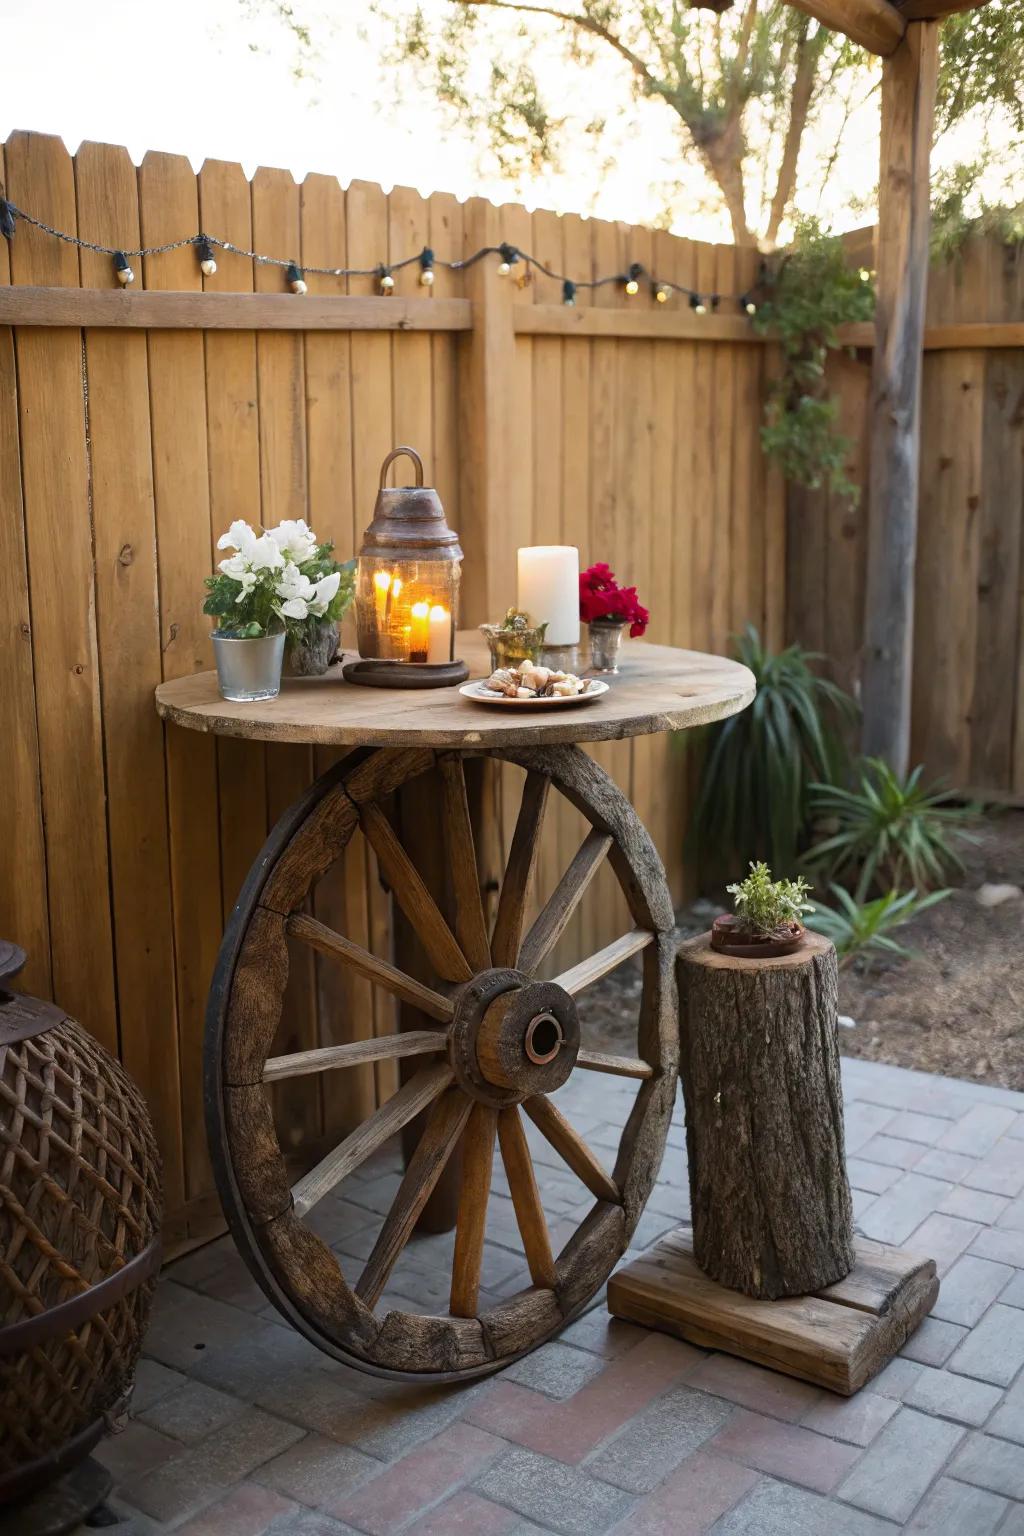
[771, 1270]
[771, 1205]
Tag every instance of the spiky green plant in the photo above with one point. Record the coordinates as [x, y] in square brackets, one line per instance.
[753, 801]
[866, 927]
[893, 832]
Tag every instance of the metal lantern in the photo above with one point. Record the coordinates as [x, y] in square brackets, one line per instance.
[407, 589]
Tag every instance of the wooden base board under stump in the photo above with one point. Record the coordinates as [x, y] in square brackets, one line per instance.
[838, 1338]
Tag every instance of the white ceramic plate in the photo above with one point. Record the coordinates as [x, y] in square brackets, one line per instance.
[481, 694]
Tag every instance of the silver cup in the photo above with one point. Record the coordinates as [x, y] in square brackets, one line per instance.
[249, 669]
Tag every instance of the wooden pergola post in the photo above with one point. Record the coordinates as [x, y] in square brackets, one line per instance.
[909, 77]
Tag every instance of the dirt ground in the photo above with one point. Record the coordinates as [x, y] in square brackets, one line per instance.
[956, 1007]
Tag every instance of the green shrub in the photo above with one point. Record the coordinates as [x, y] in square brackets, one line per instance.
[893, 832]
[754, 801]
[866, 927]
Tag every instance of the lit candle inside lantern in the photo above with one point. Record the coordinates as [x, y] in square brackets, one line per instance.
[419, 636]
[440, 644]
[549, 590]
[381, 588]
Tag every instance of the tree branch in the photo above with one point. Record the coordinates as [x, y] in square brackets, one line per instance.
[808, 54]
[585, 24]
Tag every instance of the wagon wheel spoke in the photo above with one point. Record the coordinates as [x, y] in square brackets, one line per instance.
[413, 897]
[470, 922]
[415, 1095]
[571, 1147]
[444, 1126]
[566, 897]
[337, 947]
[477, 1165]
[522, 861]
[418, 1042]
[616, 1066]
[515, 1154]
[595, 966]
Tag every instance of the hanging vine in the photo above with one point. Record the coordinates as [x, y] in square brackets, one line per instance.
[809, 292]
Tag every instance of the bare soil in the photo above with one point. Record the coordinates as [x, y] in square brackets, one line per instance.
[955, 1007]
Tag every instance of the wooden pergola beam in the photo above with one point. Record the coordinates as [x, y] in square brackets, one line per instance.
[875, 24]
[935, 10]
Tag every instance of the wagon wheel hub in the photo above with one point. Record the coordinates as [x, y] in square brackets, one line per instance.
[513, 1037]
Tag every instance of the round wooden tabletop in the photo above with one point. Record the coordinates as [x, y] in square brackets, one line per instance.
[658, 688]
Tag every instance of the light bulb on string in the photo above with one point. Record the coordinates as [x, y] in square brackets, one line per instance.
[6, 219]
[697, 304]
[207, 260]
[716, 299]
[568, 291]
[122, 268]
[426, 267]
[509, 256]
[662, 292]
[747, 303]
[294, 278]
[385, 281]
[632, 281]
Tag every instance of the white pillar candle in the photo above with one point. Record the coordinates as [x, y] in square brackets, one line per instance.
[439, 647]
[549, 590]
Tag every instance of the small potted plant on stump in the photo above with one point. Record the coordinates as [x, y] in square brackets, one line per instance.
[766, 921]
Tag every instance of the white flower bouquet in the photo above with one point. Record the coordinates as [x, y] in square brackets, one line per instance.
[280, 580]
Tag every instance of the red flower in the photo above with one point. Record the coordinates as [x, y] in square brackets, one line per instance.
[601, 597]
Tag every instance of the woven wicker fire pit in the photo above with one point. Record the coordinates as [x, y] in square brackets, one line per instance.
[80, 1213]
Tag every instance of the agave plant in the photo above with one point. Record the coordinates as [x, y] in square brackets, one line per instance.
[754, 790]
[896, 832]
[866, 927]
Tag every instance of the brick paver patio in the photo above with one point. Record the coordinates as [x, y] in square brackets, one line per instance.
[242, 1428]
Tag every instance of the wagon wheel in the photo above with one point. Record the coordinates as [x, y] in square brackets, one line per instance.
[504, 1042]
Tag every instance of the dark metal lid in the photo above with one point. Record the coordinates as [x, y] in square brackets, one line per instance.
[408, 520]
[21, 1017]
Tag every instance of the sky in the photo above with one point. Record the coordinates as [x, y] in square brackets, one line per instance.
[215, 78]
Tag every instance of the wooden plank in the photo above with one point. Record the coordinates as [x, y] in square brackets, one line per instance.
[519, 871]
[945, 629]
[381, 972]
[55, 488]
[630, 320]
[272, 310]
[384, 1123]
[233, 448]
[566, 897]
[908, 110]
[23, 904]
[470, 921]
[412, 895]
[875, 24]
[333, 1057]
[181, 487]
[837, 1339]
[446, 241]
[614, 1066]
[128, 633]
[932, 10]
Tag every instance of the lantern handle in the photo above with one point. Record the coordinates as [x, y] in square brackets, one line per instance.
[396, 453]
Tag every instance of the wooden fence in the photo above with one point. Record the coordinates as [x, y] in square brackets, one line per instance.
[134, 426]
[968, 697]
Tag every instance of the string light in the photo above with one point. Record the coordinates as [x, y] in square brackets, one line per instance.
[509, 256]
[125, 275]
[207, 260]
[205, 247]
